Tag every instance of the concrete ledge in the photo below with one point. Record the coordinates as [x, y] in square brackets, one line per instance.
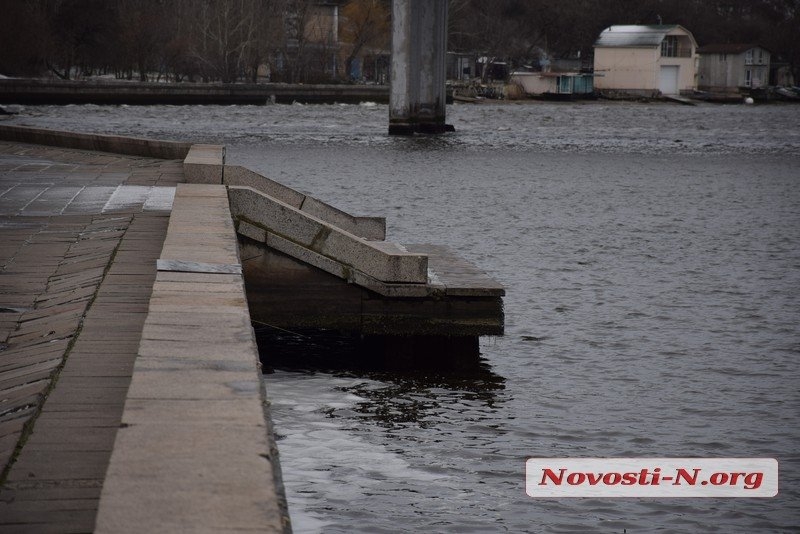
[336, 268]
[325, 239]
[132, 146]
[459, 277]
[200, 227]
[203, 164]
[367, 227]
[448, 275]
[194, 452]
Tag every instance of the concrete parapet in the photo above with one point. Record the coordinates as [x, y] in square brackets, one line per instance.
[203, 164]
[325, 239]
[132, 146]
[367, 227]
[194, 453]
[336, 268]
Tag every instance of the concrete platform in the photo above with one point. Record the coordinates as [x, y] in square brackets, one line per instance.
[287, 293]
[306, 271]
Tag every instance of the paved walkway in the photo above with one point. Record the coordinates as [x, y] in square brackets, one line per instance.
[80, 233]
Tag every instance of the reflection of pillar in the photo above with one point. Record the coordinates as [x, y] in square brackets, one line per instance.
[419, 41]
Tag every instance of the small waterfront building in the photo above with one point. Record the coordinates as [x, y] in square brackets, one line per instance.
[726, 67]
[557, 85]
[461, 66]
[645, 60]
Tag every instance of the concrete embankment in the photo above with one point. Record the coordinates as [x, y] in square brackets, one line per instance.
[34, 91]
[115, 144]
[130, 390]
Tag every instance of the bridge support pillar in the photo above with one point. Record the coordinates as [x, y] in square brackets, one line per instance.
[419, 48]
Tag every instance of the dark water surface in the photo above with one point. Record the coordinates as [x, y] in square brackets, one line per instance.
[652, 258]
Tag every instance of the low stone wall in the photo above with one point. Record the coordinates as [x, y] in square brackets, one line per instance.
[367, 227]
[629, 94]
[131, 146]
[203, 164]
[381, 260]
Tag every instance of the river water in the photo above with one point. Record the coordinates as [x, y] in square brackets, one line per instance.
[651, 254]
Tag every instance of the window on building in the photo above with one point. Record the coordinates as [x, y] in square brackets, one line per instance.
[748, 77]
[760, 56]
[669, 46]
[748, 57]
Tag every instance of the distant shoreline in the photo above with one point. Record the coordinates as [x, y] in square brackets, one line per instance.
[29, 91]
[35, 91]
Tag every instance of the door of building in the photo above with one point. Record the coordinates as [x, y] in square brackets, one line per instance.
[668, 79]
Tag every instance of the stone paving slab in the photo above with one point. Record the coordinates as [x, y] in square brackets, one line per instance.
[37, 181]
[84, 403]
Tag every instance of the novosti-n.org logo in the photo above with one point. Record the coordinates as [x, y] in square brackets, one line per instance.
[651, 477]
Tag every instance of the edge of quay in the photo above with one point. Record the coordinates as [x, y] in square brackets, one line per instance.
[193, 452]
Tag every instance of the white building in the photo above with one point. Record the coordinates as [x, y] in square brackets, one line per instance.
[645, 60]
[733, 66]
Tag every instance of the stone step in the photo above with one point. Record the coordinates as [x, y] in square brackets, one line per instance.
[305, 235]
[367, 227]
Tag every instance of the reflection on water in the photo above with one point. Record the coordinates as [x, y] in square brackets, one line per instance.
[411, 381]
[371, 414]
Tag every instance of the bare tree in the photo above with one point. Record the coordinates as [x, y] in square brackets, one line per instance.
[224, 36]
[365, 23]
[142, 35]
[228, 39]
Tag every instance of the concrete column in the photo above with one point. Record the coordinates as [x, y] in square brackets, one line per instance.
[419, 48]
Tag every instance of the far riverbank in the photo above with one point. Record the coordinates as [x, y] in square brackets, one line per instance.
[28, 91]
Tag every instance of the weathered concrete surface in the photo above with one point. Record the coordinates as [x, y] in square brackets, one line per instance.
[290, 293]
[34, 91]
[366, 227]
[419, 46]
[131, 146]
[203, 164]
[324, 239]
[193, 453]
